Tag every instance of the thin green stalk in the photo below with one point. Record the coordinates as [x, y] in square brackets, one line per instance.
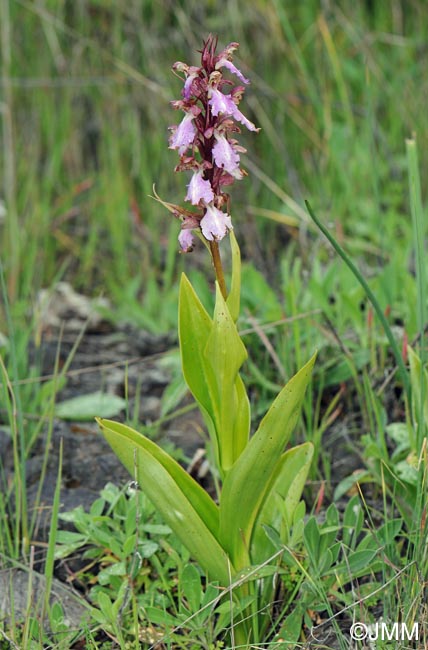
[370, 295]
[418, 234]
[418, 237]
[420, 426]
[6, 541]
[50, 557]
[215, 253]
[17, 427]
[29, 603]
[49, 411]
[9, 179]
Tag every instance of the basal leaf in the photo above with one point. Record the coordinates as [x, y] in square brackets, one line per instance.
[225, 353]
[287, 482]
[184, 505]
[194, 327]
[242, 417]
[245, 486]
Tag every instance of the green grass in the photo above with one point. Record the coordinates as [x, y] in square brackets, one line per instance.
[84, 112]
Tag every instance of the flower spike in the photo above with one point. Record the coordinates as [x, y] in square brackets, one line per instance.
[205, 141]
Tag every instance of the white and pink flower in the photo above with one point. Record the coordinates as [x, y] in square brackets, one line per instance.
[226, 156]
[215, 224]
[199, 189]
[183, 135]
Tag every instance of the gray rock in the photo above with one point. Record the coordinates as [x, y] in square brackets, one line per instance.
[14, 597]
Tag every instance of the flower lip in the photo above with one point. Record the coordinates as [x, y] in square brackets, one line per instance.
[221, 103]
[240, 117]
[215, 224]
[192, 74]
[224, 104]
[225, 63]
[226, 156]
[186, 240]
[184, 134]
[199, 189]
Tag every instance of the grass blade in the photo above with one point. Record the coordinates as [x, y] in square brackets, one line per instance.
[370, 295]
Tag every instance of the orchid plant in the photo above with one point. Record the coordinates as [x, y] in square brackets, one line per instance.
[260, 482]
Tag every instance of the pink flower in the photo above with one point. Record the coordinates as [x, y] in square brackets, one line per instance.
[192, 73]
[205, 141]
[224, 104]
[199, 189]
[184, 134]
[215, 224]
[225, 63]
[239, 117]
[225, 156]
[186, 241]
[221, 103]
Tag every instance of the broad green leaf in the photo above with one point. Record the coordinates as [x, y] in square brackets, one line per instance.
[131, 439]
[245, 486]
[212, 353]
[312, 537]
[129, 546]
[325, 561]
[233, 299]
[159, 616]
[191, 586]
[242, 417]
[156, 529]
[287, 482]
[147, 548]
[290, 632]
[353, 519]
[105, 605]
[68, 542]
[349, 482]
[356, 561]
[116, 569]
[184, 505]
[86, 407]
[225, 353]
[194, 329]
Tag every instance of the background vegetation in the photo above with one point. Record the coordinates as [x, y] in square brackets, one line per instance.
[337, 87]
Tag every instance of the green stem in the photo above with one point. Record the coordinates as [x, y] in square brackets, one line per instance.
[370, 295]
[215, 254]
[12, 232]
